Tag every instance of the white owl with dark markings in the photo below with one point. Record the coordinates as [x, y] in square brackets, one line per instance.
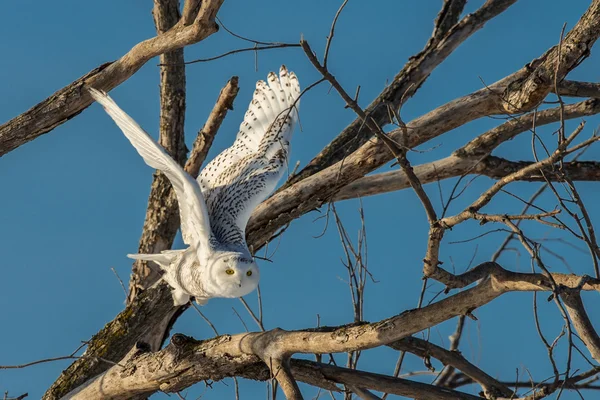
[216, 208]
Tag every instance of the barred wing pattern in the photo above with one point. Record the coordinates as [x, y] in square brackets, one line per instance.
[243, 175]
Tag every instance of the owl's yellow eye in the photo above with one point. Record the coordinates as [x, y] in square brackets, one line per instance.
[249, 273]
[229, 271]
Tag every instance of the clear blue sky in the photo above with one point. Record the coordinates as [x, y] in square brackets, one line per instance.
[74, 200]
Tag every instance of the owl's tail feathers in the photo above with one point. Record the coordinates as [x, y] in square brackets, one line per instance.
[163, 259]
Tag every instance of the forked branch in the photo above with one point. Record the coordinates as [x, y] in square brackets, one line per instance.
[186, 361]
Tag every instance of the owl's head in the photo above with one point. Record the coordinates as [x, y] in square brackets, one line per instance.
[235, 274]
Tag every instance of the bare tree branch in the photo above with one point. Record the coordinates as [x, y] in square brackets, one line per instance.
[21, 397]
[71, 100]
[364, 394]
[208, 132]
[579, 89]
[190, 11]
[388, 384]
[446, 19]
[397, 150]
[425, 349]
[255, 49]
[473, 157]
[527, 94]
[583, 325]
[186, 361]
[490, 140]
[173, 368]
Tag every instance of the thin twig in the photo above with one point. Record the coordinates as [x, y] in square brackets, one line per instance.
[332, 32]
[398, 151]
[255, 48]
[205, 318]
[71, 356]
[257, 320]
[120, 281]
[240, 318]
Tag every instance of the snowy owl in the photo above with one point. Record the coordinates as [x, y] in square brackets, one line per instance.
[216, 207]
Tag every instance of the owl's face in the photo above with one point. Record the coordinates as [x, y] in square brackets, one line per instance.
[235, 274]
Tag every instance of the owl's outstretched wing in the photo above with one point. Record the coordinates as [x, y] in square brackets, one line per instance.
[244, 175]
[269, 103]
[195, 226]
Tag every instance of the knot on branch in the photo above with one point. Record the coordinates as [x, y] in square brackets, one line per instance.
[180, 340]
[266, 345]
[567, 292]
[525, 94]
[142, 347]
[129, 361]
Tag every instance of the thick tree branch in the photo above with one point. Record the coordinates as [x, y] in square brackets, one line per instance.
[172, 84]
[190, 11]
[473, 157]
[182, 363]
[495, 282]
[446, 19]
[208, 132]
[526, 94]
[422, 348]
[186, 361]
[388, 384]
[386, 182]
[581, 320]
[579, 89]
[72, 99]
[452, 167]
[280, 370]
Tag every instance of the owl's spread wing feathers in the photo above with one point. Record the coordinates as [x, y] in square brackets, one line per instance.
[195, 226]
[244, 175]
[276, 100]
[231, 205]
